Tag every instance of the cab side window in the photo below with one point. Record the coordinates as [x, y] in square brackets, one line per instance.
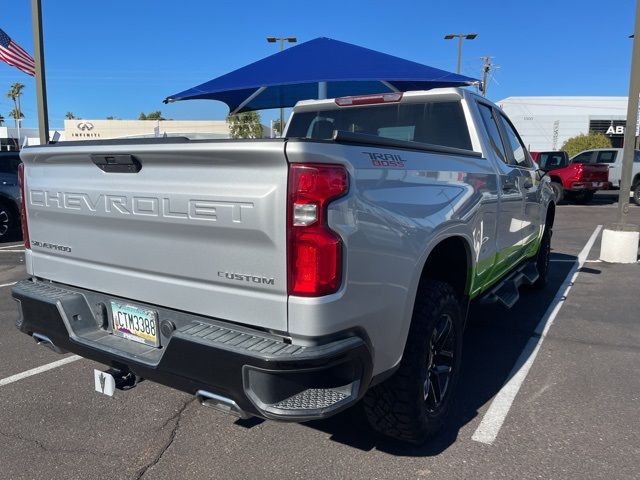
[514, 144]
[491, 127]
[606, 156]
[584, 157]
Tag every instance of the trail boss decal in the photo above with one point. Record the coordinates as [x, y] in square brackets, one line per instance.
[385, 159]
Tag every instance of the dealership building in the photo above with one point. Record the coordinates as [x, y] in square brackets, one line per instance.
[81, 129]
[545, 123]
[105, 129]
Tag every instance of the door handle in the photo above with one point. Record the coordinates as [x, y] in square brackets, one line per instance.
[509, 186]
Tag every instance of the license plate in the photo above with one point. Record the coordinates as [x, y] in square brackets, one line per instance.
[597, 184]
[135, 323]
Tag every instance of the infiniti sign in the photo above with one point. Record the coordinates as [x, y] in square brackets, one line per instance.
[85, 126]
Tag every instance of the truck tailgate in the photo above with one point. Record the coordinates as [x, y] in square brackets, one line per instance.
[200, 228]
[595, 172]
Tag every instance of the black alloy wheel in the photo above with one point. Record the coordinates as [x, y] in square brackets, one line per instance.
[440, 363]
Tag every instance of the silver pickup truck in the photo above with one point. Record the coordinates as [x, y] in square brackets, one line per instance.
[289, 278]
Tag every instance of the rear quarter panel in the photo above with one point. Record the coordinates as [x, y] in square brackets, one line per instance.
[390, 220]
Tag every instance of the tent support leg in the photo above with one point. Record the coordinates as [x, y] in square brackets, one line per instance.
[322, 90]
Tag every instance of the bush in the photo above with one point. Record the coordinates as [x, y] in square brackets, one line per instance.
[579, 143]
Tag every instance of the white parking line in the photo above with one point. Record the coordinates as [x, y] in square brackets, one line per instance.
[12, 251]
[7, 284]
[495, 416]
[20, 244]
[37, 370]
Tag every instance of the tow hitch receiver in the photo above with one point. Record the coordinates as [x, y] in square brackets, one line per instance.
[106, 382]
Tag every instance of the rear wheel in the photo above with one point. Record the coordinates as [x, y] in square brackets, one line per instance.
[413, 404]
[558, 192]
[542, 259]
[583, 197]
[636, 193]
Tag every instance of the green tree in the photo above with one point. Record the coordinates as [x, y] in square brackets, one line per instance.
[157, 115]
[277, 128]
[110, 117]
[14, 93]
[245, 125]
[69, 116]
[582, 142]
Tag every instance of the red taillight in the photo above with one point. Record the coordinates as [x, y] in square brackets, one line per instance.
[314, 250]
[23, 209]
[369, 99]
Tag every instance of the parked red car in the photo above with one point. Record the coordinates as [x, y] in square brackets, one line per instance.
[572, 180]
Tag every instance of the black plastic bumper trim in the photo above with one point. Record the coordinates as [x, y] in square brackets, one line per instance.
[201, 354]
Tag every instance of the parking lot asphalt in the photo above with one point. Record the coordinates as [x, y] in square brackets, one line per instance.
[575, 415]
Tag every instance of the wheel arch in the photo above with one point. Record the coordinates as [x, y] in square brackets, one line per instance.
[450, 261]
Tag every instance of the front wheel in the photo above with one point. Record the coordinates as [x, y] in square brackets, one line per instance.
[542, 259]
[8, 220]
[413, 404]
[636, 193]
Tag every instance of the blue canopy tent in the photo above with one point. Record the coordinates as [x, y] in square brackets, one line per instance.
[320, 68]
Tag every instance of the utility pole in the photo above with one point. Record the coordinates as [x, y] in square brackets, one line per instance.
[41, 87]
[620, 240]
[486, 68]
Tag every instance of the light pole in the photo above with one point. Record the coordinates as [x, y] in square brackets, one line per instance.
[620, 240]
[282, 41]
[460, 37]
[41, 84]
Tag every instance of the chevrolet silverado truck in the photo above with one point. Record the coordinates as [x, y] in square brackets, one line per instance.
[577, 181]
[612, 158]
[289, 278]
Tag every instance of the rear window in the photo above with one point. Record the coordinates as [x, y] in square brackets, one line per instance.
[436, 123]
[552, 160]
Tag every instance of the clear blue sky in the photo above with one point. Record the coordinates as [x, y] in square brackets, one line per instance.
[122, 57]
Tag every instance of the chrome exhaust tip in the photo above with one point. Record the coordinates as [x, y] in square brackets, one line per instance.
[220, 403]
[46, 342]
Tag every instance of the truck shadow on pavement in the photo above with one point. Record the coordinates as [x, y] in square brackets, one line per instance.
[494, 339]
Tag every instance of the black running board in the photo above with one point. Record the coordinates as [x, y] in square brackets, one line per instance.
[506, 291]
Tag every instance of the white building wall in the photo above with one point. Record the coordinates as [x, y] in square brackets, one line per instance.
[545, 123]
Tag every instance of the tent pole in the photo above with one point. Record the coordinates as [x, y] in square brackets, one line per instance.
[322, 90]
[389, 86]
[248, 99]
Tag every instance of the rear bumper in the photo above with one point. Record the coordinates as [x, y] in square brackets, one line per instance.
[589, 185]
[262, 374]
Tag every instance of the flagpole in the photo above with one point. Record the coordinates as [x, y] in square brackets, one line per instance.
[38, 56]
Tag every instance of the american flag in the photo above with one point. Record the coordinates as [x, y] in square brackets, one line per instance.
[14, 55]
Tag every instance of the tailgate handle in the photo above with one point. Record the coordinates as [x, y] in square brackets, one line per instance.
[117, 163]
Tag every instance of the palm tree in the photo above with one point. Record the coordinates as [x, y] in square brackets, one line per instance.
[1, 120]
[69, 116]
[16, 114]
[14, 93]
